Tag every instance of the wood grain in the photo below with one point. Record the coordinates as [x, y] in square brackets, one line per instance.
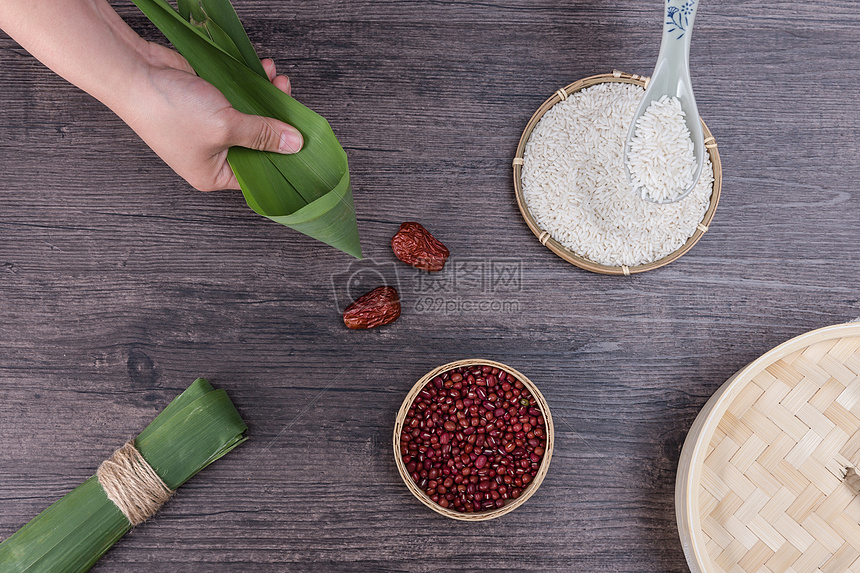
[119, 284]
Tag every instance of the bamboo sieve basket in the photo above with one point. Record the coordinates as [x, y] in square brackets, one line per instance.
[512, 504]
[766, 479]
[562, 251]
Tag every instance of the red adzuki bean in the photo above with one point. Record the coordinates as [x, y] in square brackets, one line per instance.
[473, 438]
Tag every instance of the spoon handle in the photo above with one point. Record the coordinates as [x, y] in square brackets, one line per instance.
[678, 29]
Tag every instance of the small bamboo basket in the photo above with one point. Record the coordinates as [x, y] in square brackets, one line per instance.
[767, 480]
[512, 504]
[562, 251]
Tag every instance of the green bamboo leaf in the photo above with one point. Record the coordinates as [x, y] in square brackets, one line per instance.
[220, 37]
[224, 15]
[213, 437]
[319, 169]
[193, 12]
[190, 10]
[262, 183]
[328, 218]
[194, 15]
[198, 388]
[195, 429]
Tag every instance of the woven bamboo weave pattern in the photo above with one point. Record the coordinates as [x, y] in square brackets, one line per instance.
[772, 495]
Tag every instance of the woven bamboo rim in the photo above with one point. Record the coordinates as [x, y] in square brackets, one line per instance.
[765, 475]
[512, 504]
[562, 251]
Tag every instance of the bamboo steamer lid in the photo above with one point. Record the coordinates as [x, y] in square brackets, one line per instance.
[766, 479]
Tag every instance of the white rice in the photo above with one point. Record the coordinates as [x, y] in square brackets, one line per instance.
[661, 159]
[575, 186]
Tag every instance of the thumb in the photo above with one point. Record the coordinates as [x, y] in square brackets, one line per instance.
[264, 134]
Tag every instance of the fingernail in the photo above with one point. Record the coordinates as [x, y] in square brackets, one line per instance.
[291, 141]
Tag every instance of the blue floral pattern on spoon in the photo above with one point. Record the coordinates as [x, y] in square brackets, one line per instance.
[679, 16]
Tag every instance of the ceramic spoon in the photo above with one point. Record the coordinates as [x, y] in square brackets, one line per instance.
[671, 78]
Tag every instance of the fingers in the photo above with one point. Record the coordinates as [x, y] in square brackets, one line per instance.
[263, 133]
[269, 66]
[280, 82]
[283, 84]
[224, 179]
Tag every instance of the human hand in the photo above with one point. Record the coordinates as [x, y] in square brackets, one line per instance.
[191, 125]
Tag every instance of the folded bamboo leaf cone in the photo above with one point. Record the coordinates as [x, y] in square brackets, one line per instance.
[308, 191]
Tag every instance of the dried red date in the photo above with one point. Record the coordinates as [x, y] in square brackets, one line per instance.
[376, 308]
[414, 245]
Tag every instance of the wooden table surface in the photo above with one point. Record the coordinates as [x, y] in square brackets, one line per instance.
[119, 284]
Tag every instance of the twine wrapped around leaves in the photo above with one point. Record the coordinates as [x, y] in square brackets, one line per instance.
[197, 428]
[132, 485]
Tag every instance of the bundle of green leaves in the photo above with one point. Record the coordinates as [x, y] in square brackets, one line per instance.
[198, 427]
